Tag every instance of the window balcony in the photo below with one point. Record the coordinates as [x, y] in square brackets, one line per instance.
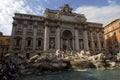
[39, 48]
[29, 48]
[16, 48]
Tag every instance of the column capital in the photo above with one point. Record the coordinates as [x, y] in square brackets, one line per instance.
[46, 23]
[45, 26]
[76, 26]
[85, 27]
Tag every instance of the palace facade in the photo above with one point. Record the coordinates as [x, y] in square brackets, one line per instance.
[56, 29]
[112, 36]
[4, 44]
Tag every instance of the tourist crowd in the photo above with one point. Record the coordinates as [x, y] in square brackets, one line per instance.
[8, 70]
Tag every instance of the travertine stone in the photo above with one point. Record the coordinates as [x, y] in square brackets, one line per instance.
[86, 47]
[23, 37]
[98, 38]
[46, 38]
[93, 47]
[58, 38]
[55, 22]
[76, 40]
[34, 37]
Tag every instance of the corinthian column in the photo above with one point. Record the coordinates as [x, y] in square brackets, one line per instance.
[46, 38]
[58, 38]
[93, 47]
[76, 40]
[85, 36]
[23, 37]
[34, 37]
[98, 38]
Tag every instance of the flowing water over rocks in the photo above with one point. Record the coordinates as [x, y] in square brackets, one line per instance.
[59, 62]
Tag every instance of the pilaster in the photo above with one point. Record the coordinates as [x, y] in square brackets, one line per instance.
[86, 47]
[58, 37]
[76, 40]
[24, 36]
[98, 38]
[46, 37]
[73, 44]
[34, 37]
[92, 41]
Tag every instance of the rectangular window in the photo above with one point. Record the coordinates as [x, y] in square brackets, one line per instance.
[17, 42]
[114, 33]
[119, 31]
[102, 44]
[39, 43]
[40, 28]
[19, 26]
[31, 27]
[80, 32]
[29, 43]
[113, 28]
[96, 44]
[94, 33]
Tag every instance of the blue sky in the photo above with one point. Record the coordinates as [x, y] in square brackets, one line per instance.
[100, 11]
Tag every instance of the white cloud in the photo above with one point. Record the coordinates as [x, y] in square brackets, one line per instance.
[112, 2]
[7, 10]
[46, 1]
[38, 10]
[104, 14]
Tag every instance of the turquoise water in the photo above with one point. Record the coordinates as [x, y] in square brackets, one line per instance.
[92, 74]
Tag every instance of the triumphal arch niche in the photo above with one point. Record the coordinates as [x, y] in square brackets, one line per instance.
[67, 40]
[57, 29]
